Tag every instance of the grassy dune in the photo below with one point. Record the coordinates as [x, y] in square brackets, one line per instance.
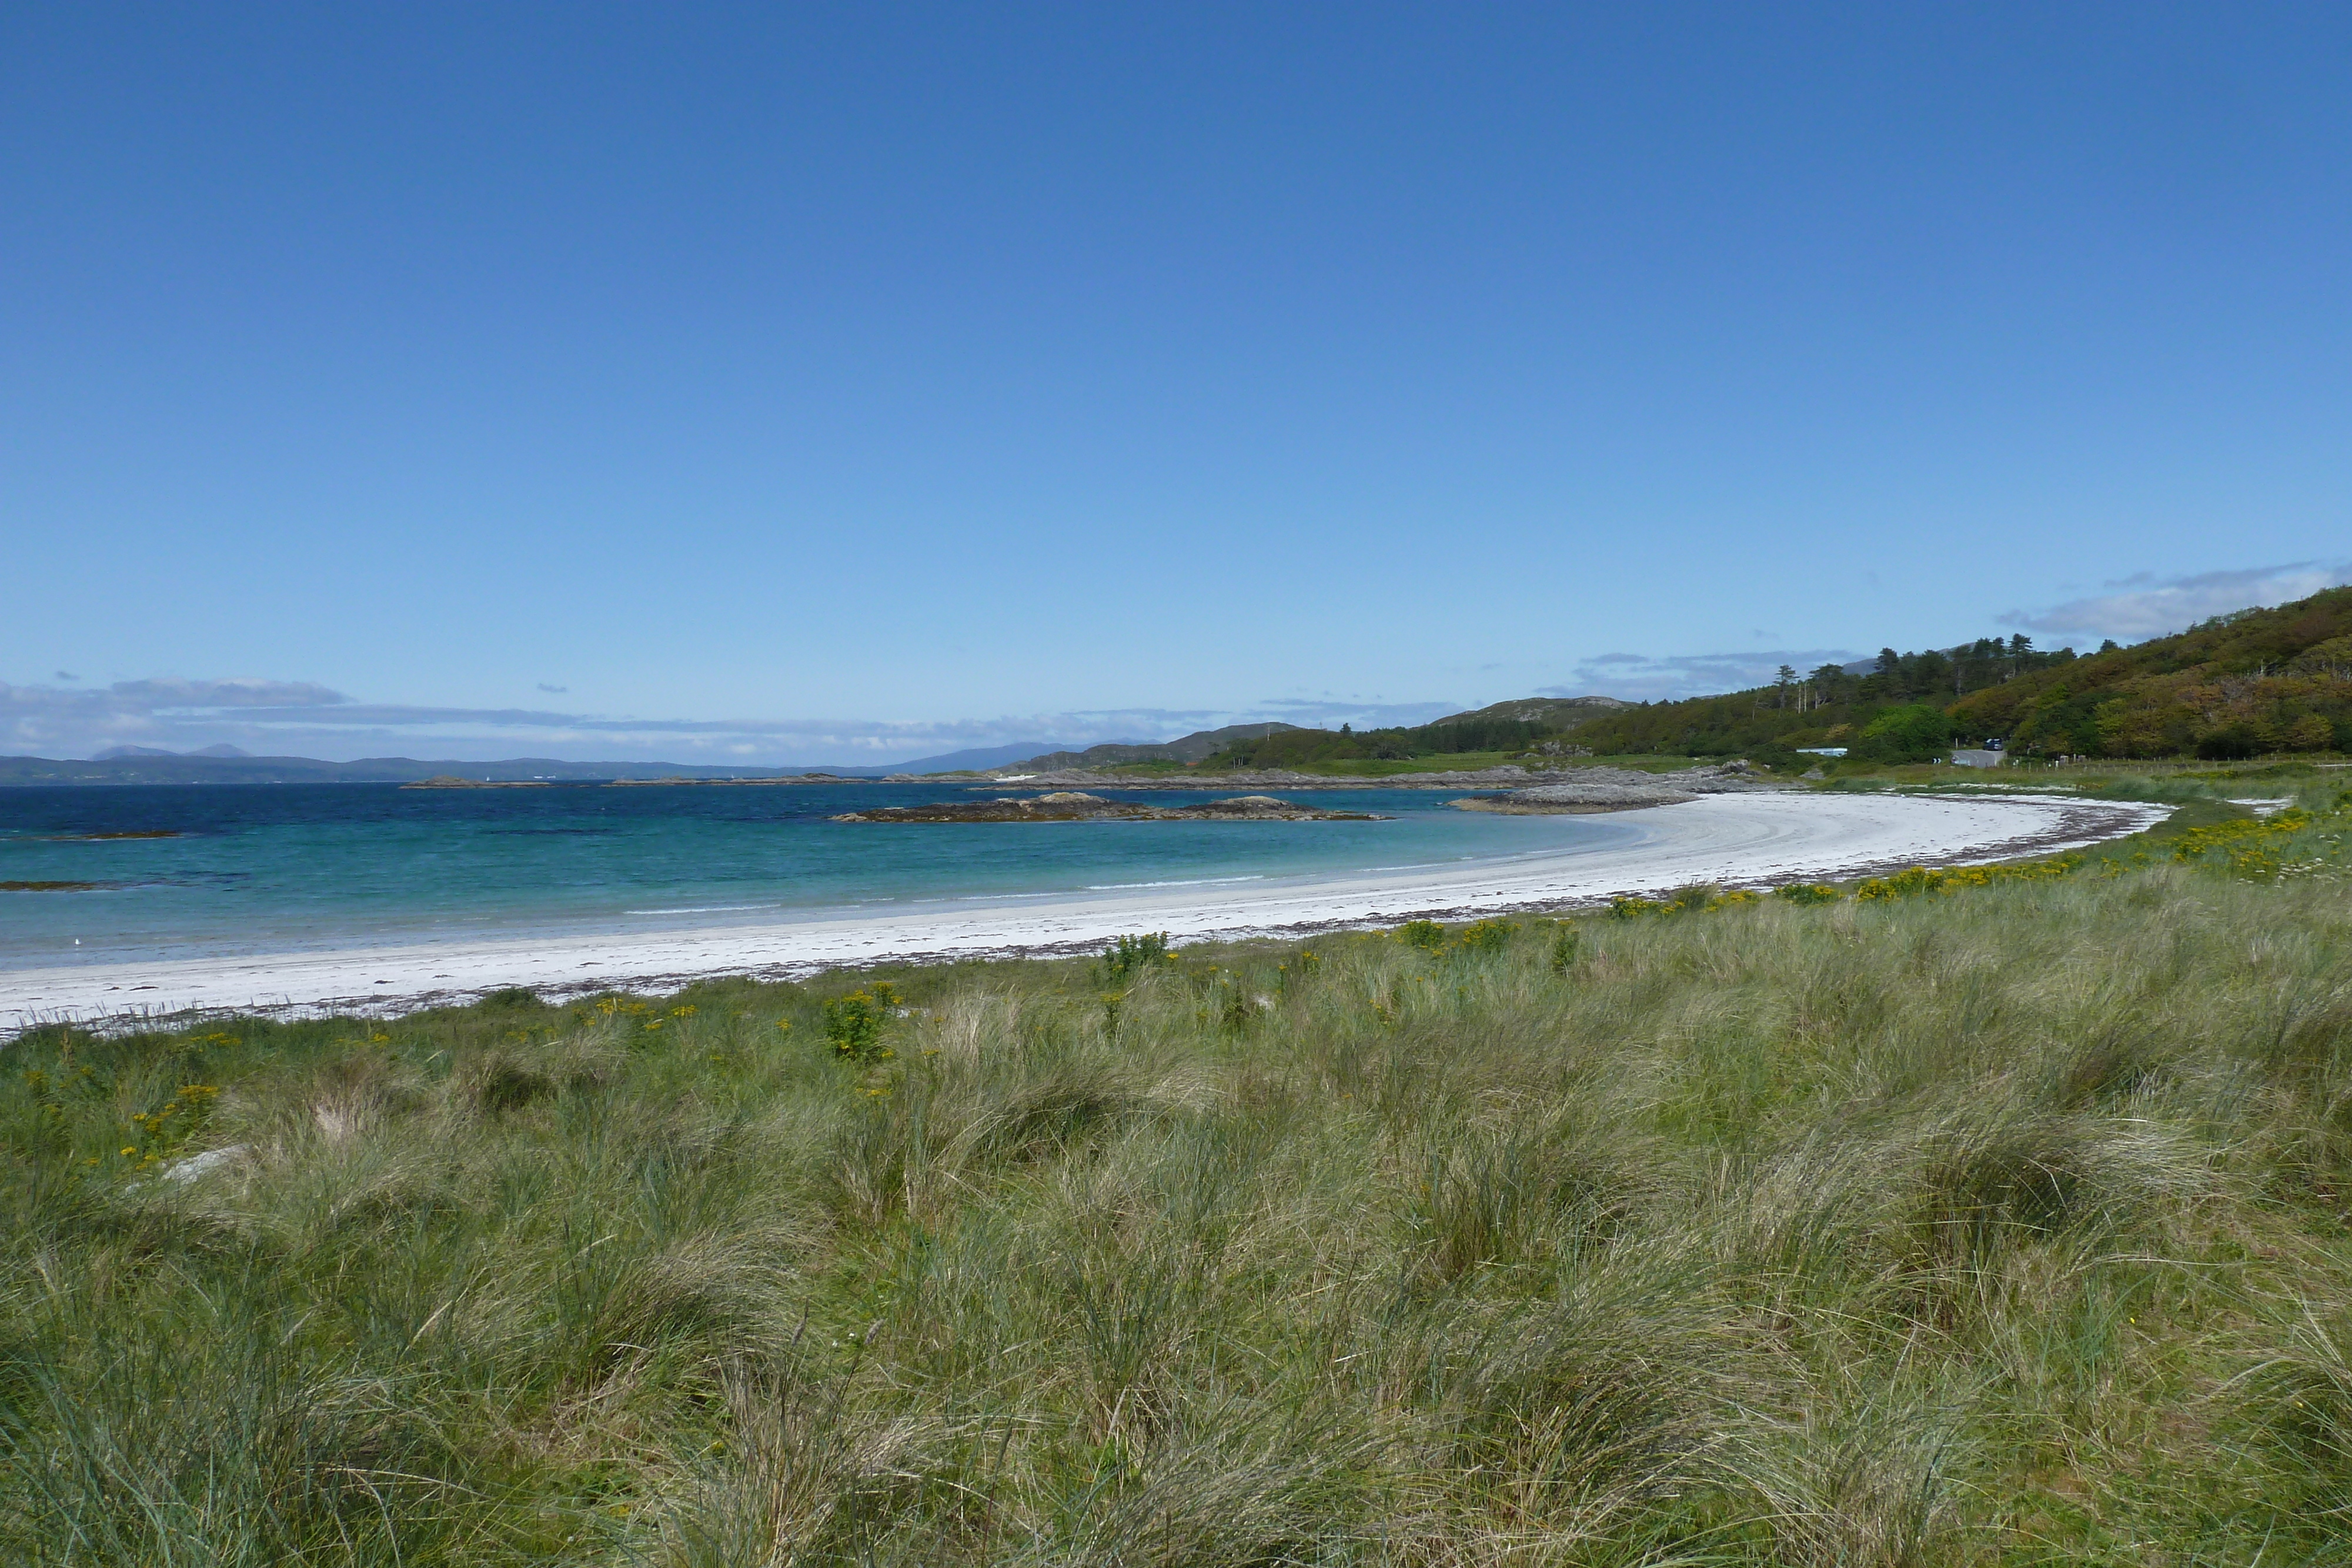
[1998, 1223]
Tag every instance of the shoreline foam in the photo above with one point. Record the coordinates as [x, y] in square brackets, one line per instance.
[1743, 840]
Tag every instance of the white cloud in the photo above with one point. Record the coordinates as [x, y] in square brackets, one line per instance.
[300, 718]
[137, 711]
[2146, 606]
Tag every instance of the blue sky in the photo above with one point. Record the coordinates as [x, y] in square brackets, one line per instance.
[855, 382]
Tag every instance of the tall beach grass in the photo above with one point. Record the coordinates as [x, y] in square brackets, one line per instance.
[1999, 1223]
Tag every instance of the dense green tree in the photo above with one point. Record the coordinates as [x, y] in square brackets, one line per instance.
[1919, 732]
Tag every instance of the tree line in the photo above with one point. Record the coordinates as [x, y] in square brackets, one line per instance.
[2248, 684]
[1290, 747]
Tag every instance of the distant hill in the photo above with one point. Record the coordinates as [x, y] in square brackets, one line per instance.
[1552, 712]
[111, 752]
[1184, 748]
[976, 758]
[1522, 725]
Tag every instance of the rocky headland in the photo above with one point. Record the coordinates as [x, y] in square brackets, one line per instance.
[1618, 789]
[1071, 806]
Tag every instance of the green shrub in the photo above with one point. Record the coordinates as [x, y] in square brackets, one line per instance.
[1916, 733]
[1426, 935]
[1486, 936]
[1126, 954]
[854, 1023]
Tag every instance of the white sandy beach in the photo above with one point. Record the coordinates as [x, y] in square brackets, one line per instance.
[1745, 839]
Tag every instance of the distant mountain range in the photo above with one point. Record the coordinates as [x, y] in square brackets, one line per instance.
[229, 765]
[112, 752]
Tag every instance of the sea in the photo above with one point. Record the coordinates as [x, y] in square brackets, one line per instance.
[121, 874]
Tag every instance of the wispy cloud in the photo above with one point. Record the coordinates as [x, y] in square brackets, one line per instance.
[1645, 677]
[2144, 605]
[301, 718]
[142, 712]
[556, 691]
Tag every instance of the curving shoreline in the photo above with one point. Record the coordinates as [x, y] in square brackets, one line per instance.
[1737, 839]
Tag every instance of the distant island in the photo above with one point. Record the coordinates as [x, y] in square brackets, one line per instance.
[451, 781]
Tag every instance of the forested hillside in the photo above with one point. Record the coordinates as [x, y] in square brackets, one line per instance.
[2243, 685]
[1465, 732]
[1830, 706]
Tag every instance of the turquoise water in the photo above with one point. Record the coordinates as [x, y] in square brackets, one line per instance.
[272, 868]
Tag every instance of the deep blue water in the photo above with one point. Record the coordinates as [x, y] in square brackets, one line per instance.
[277, 867]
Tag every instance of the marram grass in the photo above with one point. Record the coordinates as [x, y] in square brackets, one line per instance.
[1982, 1221]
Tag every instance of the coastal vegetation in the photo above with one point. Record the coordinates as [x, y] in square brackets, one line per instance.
[1975, 1217]
[1296, 747]
[1391, 768]
[2254, 683]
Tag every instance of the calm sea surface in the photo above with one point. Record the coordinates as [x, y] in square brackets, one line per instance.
[282, 867]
